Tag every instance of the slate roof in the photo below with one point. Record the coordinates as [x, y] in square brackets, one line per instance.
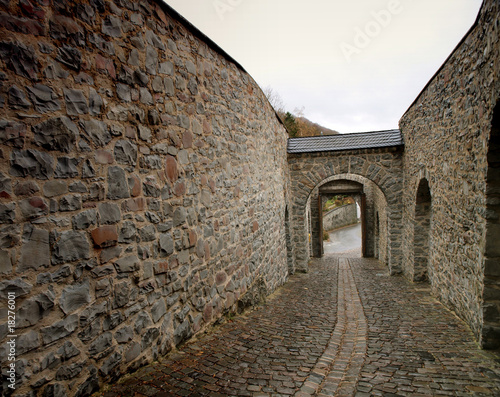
[331, 143]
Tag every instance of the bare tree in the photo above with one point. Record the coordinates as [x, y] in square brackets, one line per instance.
[300, 112]
[275, 100]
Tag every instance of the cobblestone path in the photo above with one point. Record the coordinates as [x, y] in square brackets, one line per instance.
[387, 337]
[338, 369]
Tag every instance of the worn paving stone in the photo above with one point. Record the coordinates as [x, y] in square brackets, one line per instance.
[266, 348]
[415, 345]
[353, 331]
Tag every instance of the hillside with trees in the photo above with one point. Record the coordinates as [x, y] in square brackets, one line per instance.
[296, 123]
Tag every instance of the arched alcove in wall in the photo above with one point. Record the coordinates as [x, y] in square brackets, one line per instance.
[491, 305]
[289, 247]
[422, 226]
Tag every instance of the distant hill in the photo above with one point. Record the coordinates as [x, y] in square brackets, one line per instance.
[300, 126]
[296, 124]
[309, 128]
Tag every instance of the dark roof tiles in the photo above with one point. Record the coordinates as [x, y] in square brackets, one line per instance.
[330, 143]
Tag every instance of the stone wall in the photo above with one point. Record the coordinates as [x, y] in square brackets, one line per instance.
[340, 217]
[447, 133]
[380, 173]
[143, 188]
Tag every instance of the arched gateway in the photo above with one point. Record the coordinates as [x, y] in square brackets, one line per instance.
[373, 160]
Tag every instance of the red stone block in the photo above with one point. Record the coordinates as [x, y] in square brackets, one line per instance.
[161, 15]
[103, 157]
[211, 183]
[161, 267]
[185, 98]
[193, 238]
[134, 205]
[207, 250]
[180, 189]
[135, 185]
[105, 236]
[207, 313]
[105, 64]
[172, 171]
[187, 140]
[38, 202]
[21, 25]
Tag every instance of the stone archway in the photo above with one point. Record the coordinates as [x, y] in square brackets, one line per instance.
[373, 201]
[382, 169]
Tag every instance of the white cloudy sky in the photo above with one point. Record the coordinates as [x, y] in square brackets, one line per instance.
[299, 48]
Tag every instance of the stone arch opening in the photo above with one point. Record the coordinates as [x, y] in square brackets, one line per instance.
[422, 227]
[491, 305]
[289, 246]
[372, 200]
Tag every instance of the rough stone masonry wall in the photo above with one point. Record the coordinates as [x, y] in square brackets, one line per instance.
[446, 135]
[143, 184]
[340, 217]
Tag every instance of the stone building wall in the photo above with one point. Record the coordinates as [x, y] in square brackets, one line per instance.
[380, 173]
[340, 217]
[446, 134]
[143, 188]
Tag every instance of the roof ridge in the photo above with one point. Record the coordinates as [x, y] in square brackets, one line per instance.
[344, 135]
[354, 141]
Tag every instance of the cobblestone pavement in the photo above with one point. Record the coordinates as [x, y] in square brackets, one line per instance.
[390, 338]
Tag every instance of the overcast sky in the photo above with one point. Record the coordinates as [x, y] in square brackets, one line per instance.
[353, 66]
